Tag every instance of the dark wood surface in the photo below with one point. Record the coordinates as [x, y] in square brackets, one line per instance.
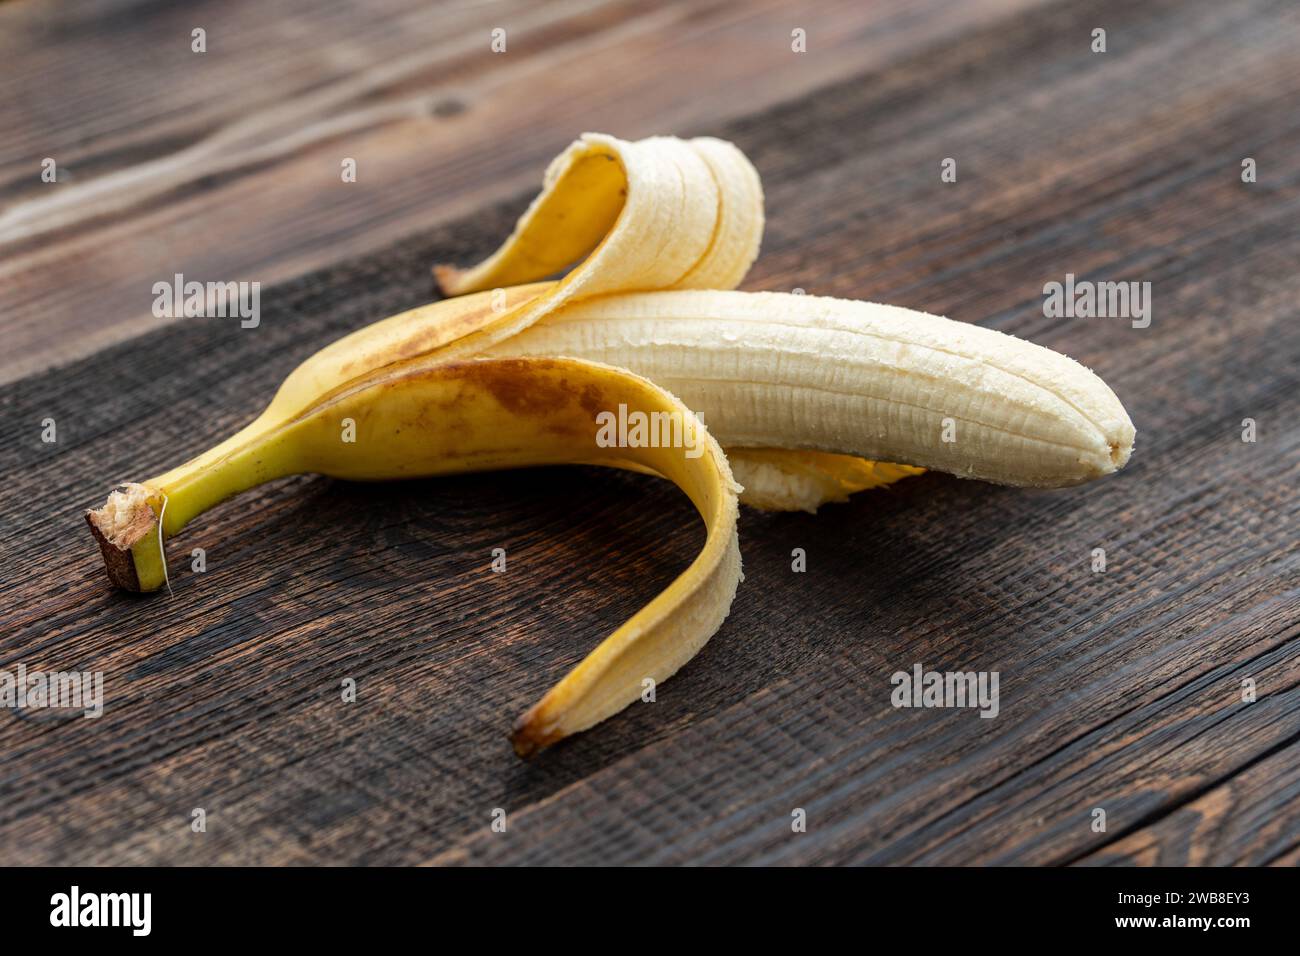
[226, 165]
[1119, 690]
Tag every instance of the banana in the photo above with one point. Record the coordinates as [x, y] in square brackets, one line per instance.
[781, 371]
[812, 396]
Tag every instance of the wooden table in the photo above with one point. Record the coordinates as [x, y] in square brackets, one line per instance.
[1120, 690]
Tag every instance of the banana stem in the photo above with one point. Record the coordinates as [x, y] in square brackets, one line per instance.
[127, 527]
[237, 464]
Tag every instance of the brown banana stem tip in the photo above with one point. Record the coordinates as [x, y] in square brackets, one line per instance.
[117, 562]
[117, 525]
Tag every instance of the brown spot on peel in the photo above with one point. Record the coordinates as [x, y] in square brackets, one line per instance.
[453, 328]
[523, 389]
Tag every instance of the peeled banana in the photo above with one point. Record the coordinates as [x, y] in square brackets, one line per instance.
[801, 390]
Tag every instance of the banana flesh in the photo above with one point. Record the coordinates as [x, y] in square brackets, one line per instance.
[777, 479]
[775, 370]
[810, 395]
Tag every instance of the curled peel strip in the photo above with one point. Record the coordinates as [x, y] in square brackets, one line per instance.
[506, 413]
[661, 213]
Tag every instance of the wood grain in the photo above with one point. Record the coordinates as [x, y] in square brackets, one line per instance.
[1119, 690]
[226, 165]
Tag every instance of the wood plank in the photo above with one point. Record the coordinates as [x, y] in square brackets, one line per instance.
[1119, 689]
[1254, 811]
[226, 165]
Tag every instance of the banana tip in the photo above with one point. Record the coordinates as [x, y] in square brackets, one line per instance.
[1120, 452]
[529, 736]
[446, 280]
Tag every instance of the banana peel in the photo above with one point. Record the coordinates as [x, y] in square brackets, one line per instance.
[439, 418]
